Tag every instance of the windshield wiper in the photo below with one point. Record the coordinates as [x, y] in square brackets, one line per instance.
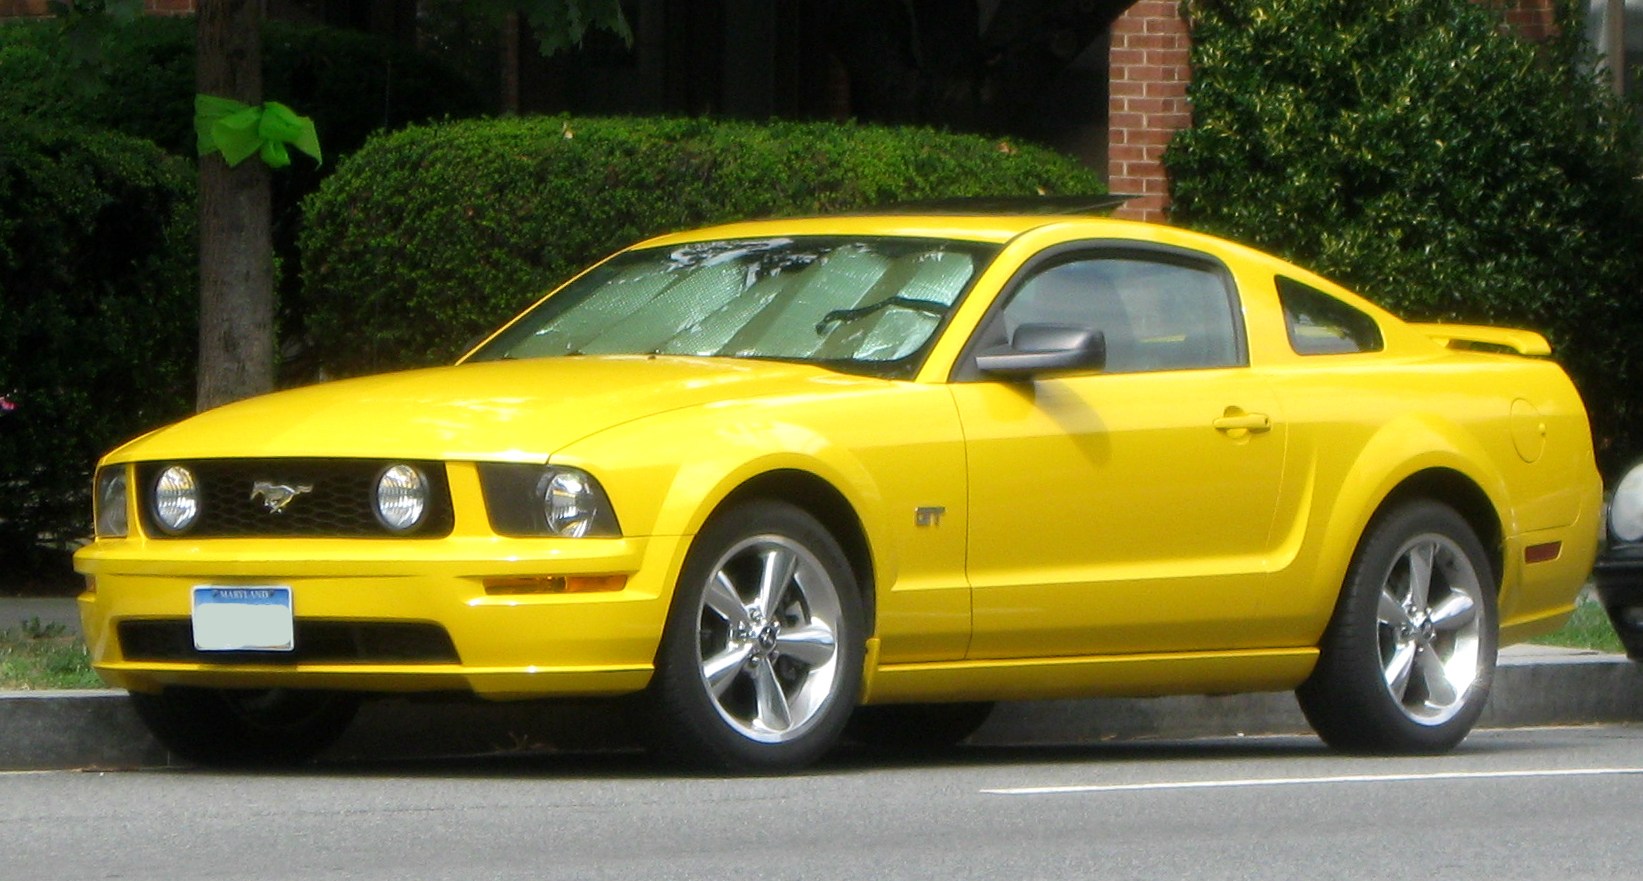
[928, 307]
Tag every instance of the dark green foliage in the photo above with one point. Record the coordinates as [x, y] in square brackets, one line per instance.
[349, 82]
[430, 235]
[1418, 153]
[97, 336]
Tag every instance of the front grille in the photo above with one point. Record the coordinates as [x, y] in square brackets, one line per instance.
[340, 504]
[317, 642]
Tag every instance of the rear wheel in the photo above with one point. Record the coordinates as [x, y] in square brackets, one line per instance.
[1407, 661]
[246, 728]
[761, 661]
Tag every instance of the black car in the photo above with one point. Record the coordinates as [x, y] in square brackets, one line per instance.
[1618, 574]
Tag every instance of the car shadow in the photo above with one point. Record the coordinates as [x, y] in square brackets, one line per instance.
[540, 762]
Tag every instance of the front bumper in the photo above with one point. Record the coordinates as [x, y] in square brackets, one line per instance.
[1618, 577]
[355, 601]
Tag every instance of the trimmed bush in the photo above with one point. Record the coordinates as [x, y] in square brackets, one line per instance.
[430, 235]
[1420, 154]
[97, 335]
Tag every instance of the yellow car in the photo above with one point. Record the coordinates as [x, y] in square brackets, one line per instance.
[775, 479]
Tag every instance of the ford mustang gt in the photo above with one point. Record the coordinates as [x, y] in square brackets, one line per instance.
[785, 482]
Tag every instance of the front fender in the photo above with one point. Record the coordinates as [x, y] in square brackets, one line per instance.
[888, 452]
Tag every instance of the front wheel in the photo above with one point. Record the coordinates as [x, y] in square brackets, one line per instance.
[1406, 663]
[761, 661]
[246, 728]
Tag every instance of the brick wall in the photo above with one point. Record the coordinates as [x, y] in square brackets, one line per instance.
[1532, 19]
[1147, 103]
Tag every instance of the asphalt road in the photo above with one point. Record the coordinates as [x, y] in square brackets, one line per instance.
[1510, 804]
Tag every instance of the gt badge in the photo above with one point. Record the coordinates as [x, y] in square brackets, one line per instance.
[928, 516]
[275, 496]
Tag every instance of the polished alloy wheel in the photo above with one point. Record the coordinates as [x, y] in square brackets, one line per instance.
[1429, 628]
[767, 636]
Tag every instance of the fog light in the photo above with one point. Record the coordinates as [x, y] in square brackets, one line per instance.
[402, 498]
[176, 499]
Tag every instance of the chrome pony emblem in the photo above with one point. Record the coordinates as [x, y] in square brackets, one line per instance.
[277, 495]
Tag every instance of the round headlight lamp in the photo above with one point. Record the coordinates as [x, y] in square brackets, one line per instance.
[1626, 506]
[570, 503]
[401, 497]
[176, 499]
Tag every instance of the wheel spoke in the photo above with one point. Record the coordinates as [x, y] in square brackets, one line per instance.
[721, 669]
[1420, 574]
[773, 712]
[1440, 692]
[1391, 612]
[779, 564]
[1398, 668]
[722, 598]
[813, 644]
[1455, 612]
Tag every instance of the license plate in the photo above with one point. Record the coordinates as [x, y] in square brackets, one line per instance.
[241, 619]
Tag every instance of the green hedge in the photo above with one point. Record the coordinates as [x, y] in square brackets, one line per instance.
[1417, 153]
[97, 336]
[430, 235]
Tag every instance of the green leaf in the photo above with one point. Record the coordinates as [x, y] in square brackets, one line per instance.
[239, 131]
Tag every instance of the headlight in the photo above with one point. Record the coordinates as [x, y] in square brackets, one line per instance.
[176, 499]
[571, 503]
[1626, 506]
[532, 500]
[401, 497]
[111, 502]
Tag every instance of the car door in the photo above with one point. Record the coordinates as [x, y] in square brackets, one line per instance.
[1128, 509]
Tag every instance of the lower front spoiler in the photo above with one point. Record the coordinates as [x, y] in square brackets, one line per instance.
[498, 684]
[1618, 577]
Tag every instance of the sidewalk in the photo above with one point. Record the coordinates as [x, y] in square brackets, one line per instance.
[1534, 686]
[15, 610]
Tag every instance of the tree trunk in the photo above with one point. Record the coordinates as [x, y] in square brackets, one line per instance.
[236, 244]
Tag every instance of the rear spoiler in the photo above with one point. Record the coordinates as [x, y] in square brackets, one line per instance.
[1469, 336]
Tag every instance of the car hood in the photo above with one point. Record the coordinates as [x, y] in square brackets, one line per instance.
[519, 411]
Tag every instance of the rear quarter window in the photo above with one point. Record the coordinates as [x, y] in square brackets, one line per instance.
[1319, 324]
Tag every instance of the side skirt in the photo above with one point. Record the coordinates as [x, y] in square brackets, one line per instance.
[1096, 676]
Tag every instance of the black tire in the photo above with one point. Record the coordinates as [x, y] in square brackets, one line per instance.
[916, 727]
[1407, 661]
[246, 728]
[760, 664]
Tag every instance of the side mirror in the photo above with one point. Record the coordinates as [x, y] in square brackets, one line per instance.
[1046, 348]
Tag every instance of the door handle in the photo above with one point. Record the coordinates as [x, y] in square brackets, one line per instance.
[1237, 420]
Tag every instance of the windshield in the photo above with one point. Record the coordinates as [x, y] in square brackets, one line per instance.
[865, 305]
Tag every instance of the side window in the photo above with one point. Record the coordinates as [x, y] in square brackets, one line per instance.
[1322, 325]
[1155, 314]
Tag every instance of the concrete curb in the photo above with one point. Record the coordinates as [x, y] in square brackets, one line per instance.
[98, 729]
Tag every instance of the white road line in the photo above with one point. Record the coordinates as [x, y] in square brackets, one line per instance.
[1307, 781]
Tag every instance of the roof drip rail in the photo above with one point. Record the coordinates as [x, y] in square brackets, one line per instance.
[1097, 203]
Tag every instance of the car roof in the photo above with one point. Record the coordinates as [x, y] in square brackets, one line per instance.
[977, 227]
[1002, 228]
